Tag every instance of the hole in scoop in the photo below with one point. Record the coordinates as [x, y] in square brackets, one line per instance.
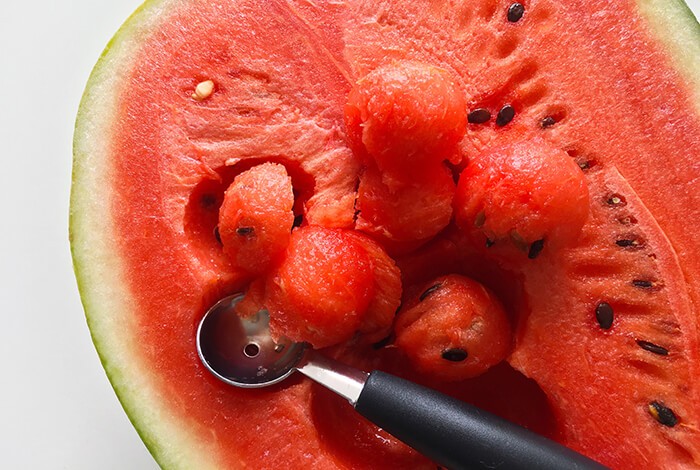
[251, 350]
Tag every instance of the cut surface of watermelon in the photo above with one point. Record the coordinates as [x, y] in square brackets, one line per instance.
[190, 94]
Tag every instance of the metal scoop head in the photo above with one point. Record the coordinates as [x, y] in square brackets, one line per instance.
[241, 351]
[452, 433]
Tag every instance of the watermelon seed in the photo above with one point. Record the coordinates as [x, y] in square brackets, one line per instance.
[616, 200]
[556, 115]
[479, 116]
[505, 115]
[535, 249]
[489, 243]
[627, 220]
[515, 12]
[480, 219]
[604, 314]
[429, 291]
[279, 348]
[586, 164]
[245, 231]
[217, 234]
[203, 90]
[454, 354]
[548, 121]
[652, 348]
[643, 284]
[663, 414]
[634, 243]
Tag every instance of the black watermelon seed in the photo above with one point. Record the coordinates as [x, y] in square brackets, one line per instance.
[454, 354]
[663, 414]
[298, 219]
[535, 249]
[652, 348]
[505, 115]
[429, 291]
[605, 315]
[489, 243]
[217, 234]
[515, 12]
[629, 243]
[549, 121]
[643, 284]
[616, 200]
[245, 231]
[479, 116]
[586, 164]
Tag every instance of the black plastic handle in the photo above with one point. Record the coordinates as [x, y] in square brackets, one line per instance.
[457, 435]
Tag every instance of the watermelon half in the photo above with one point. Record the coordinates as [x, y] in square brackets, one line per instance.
[191, 93]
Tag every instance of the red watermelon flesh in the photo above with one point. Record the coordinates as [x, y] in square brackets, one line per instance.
[602, 80]
[322, 289]
[521, 197]
[256, 218]
[473, 334]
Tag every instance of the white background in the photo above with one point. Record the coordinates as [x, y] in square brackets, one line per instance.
[57, 409]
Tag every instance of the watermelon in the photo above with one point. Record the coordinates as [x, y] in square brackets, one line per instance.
[474, 334]
[194, 100]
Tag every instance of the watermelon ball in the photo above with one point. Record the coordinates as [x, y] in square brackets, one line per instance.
[406, 115]
[378, 321]
[452, 329]
[322, 289]
[529, 195]
[256, 217]
[405, 212]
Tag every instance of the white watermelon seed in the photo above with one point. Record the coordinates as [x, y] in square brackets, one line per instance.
[203, 90]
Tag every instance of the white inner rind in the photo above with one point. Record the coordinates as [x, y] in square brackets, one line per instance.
[675, 26]
[101, 275]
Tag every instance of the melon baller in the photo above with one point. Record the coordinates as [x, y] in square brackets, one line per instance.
[452, 433]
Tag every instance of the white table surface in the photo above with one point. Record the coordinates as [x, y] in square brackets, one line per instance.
[57, 409]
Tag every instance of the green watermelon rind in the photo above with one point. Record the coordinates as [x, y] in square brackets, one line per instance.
[105, 296]
[675, 25]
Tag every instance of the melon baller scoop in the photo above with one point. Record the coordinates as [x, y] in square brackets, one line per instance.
[452, 433]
